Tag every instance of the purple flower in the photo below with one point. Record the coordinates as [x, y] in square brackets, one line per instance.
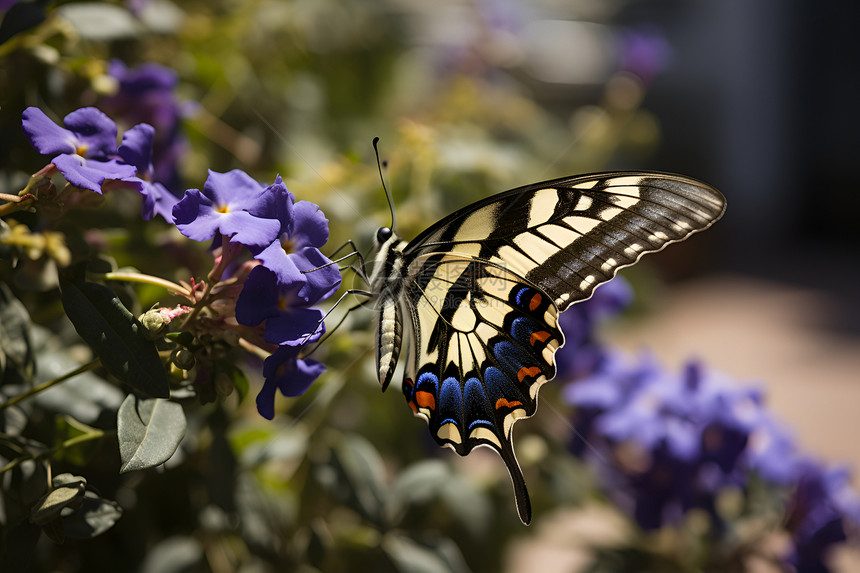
[285, 371]
[289, 321]
[84, 152]
[822, 504]
[644, 52]
[146, 95]
[136, 149]
[231, 204]
[772, 453]
[136, 6]
[303, 228]
[681, 438]
[663, 444]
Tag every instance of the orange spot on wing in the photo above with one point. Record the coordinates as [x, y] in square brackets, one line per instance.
[413, 406]
[535, 301]
[425, 400]
[541, 335]
[528, 371]
[503, 403]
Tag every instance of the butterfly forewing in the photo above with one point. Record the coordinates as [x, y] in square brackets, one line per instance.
[480, 293]
[569, 235]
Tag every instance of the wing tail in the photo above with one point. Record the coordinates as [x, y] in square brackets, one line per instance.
[521, 492]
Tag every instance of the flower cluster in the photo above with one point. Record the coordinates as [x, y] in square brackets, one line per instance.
[267, 297]
[664, 444]
[288, 274]
[85, 152]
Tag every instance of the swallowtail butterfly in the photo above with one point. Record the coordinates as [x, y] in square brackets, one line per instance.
[477, 295]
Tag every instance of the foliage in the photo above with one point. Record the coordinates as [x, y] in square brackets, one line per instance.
[132, 334]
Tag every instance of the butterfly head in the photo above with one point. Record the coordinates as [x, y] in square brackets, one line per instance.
[383, 235]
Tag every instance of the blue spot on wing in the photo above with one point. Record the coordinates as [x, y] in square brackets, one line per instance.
[428, 382]
[478, 409]
[523, 327]
[500, 386]
[451, 402]
[512, 357]
[520, 296]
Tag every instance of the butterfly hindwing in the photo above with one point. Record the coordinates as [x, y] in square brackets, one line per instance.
[479, 293]
[484, 344]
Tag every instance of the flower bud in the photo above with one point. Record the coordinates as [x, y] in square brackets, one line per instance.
[184, 358]
[153, 324]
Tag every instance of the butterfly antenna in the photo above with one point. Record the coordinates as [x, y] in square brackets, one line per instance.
[387, 192]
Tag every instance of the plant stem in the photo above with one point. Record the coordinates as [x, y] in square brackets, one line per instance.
[44, 386]
[93, 435]
[146, 279]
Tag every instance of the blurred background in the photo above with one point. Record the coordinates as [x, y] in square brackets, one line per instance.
[758, 99]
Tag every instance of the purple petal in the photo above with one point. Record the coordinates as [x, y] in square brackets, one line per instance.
[259, 297]
[157, 200]
[284, 265]
[597, 391]
[310, 226]
[322, 281]
[283, 207]
[237, 191]
[290, 374]
[144, 77]
[45, 136]
[243, 227]
[198, 217]
[295, 327]
[95, 129]
[266, 398]
[89, 173]
[136, 147]
[306, 372]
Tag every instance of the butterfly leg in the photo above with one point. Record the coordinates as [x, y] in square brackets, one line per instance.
[351, 291]
[359, 270]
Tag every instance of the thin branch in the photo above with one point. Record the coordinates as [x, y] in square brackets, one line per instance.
[35, 390]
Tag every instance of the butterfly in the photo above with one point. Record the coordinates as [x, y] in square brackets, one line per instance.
[475, 297]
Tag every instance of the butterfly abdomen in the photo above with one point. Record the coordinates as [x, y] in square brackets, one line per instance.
[387, 281]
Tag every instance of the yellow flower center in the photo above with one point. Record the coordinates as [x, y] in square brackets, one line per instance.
[82, 150]
[287, 245]
[223, 209]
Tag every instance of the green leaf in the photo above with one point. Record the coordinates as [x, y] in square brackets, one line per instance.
[114, 335]
[360, 471]
[410, 556]
[17, 362]
[431, 483]
[238, 378]
[21, 17]
[86, 397]
[92, 518]
[68, 490]
[100, 21]
[149, 431]
[173, 555]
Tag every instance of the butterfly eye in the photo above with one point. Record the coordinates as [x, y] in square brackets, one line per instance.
[383, 234]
